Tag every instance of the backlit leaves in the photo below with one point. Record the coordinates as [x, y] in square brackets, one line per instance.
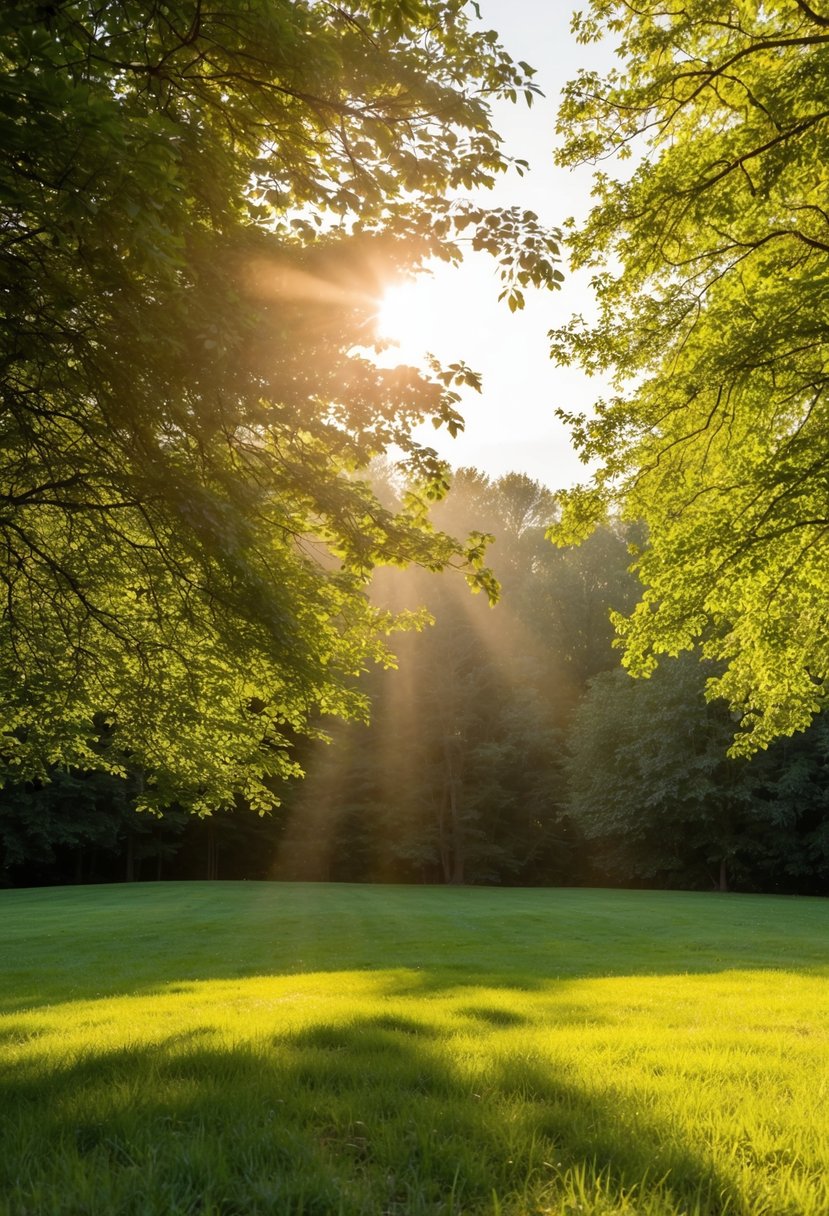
[715, 328]
[199, 207]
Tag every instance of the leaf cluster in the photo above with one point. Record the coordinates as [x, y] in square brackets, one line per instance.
[709, 262]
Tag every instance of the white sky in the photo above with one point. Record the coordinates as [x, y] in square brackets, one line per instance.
[512, 425]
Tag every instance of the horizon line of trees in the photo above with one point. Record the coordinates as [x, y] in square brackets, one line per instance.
[508, 748]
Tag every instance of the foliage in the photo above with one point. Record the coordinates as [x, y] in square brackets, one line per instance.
[199, 205]
[491, 757]
[651, 788]
[84, 827]
[313, 1049]
[73, 812]
[459, 776]
[709, 261]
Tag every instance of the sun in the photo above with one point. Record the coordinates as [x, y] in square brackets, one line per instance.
[431, 314]
[406, 319]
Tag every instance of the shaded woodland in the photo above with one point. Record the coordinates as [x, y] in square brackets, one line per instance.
[508, 747]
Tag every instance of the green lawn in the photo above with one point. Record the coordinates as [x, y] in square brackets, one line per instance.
[236, 1048]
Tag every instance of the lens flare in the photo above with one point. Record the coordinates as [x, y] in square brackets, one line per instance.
[406, 319]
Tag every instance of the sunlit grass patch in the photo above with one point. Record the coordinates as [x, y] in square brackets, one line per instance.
[226, 1048]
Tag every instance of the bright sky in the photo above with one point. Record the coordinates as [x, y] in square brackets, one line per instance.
[455, 314]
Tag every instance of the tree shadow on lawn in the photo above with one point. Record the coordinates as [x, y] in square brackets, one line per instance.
[433, 979]
[91, 943]
[356, 1118]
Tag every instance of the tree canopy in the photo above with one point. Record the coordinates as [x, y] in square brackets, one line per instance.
[657, 800]
[199, 204]
[713, 298]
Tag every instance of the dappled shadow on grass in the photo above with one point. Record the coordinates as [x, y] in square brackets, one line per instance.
[88, 943]
[392, 982]
[420, 1086]
[493, 1016]
[359, 1117]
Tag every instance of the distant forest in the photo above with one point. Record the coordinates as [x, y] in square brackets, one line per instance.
[509, 747]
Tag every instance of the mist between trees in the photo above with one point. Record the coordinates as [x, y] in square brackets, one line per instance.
[508, 747]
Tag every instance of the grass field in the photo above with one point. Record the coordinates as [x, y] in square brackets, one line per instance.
[234, 1049]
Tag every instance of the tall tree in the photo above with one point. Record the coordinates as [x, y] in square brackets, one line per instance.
[658, 800]
[199, 204]
[709, 263]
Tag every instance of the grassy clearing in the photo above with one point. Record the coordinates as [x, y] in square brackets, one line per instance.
[231, 1049]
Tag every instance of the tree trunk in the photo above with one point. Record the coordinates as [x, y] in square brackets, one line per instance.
[129, 871]
[723, 875]
[212, 854]
[458, 836]
[443, 843]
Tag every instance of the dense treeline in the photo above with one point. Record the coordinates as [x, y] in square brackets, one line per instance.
[508, 747]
